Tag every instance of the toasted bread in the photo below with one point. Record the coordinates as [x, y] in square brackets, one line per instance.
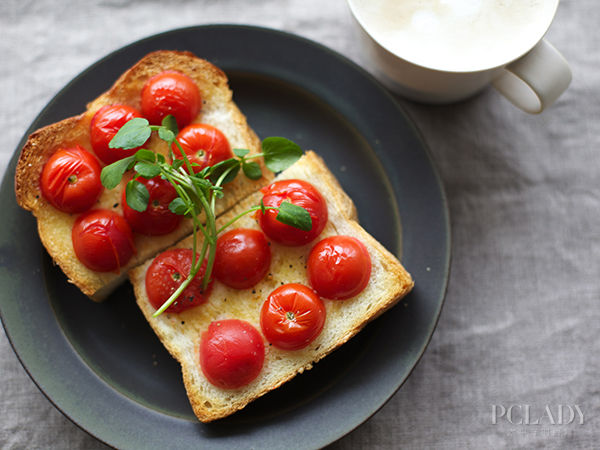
[181, 333]
[54, 226]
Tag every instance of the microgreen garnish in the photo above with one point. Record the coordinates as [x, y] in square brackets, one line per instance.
[294, 215]
[197, 192]
[280, 153]
[133, 134]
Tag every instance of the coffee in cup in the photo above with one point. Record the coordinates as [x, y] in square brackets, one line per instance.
[446, 50]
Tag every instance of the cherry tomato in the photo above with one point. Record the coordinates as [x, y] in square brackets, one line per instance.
[102, 240]
[157, 219]
[232, 353]
[166, 273]
[243, 258]
[171, 92]
[300, 193]
[70, 180]
[203, 144]
[292, 316]
[339, 267]
[105, 124]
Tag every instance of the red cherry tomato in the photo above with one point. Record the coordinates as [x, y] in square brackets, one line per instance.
[102, 240]
[339, 267]
[243, 258]
[299, 193]
[232, 353]
[171, 92]
[157, 219]
[70, 180]
[203, 144]
[166, 273]
[105, 124]
[292, 316]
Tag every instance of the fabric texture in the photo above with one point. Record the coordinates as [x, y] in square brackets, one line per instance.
[521, 323]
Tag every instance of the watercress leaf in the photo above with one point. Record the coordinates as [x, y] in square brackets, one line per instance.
[166, 135]
[111, 175]
[178, 206]
[280, 153]
[145, 155]
[131, 135]
[170, 123]
[240, 152]
[147, 170]
[252, 170]
[160, 158]
[204, 172]
[137, 195]
[231, 166]
[294, 215]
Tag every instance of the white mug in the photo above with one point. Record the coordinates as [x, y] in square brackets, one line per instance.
[530, 72]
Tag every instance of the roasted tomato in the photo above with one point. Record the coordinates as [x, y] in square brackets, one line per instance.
[203, 144]
[166, 273]
[105, 124]
[171, 92]
[339, 267]
[102, 240]
[157, 219]
[299, 193]
[70, 180]
[292, 316]
[232, 353]
[243, 258]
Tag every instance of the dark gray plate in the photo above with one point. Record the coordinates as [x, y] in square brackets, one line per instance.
[101, 364]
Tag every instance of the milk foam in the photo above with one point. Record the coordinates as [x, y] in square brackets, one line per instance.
[456, 35]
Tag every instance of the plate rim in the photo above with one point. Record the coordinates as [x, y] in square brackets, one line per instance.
[408, 121]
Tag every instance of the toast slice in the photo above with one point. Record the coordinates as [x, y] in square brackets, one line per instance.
[180, 333]
[54, 226]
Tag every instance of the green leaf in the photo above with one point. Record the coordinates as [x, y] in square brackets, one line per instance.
[131, 135]
[204, 172]
[294, 215]
[166, 135]
[231, 165]
[178, 206]
[160, 158]
[112, 174]
[280, 153]
[252, 170]
[240, 152]
[137, 195]
[147, 170]
[170, 123]
[145, 155]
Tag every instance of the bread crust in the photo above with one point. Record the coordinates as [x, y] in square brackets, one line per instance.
[54, 226]
[180, 333]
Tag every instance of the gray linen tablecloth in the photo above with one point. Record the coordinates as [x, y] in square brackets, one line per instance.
[521, 322]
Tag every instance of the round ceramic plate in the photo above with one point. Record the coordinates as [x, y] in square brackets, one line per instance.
[101, 364]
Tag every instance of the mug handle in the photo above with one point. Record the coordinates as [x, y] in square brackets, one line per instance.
[536, 80]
